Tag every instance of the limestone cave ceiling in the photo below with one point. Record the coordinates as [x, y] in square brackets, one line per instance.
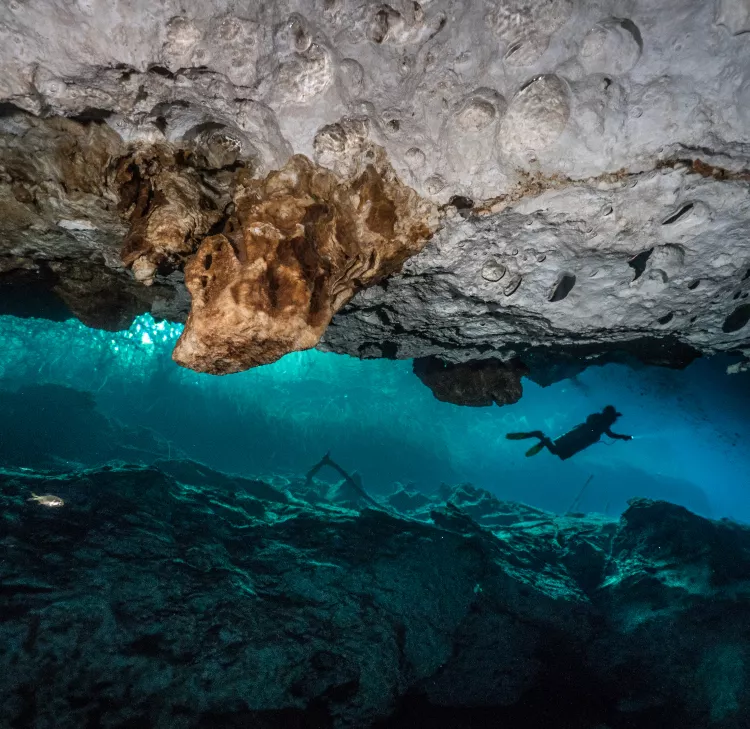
[449, 179]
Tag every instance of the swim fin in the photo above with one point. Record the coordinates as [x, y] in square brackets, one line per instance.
[518, 436]
[534, 450]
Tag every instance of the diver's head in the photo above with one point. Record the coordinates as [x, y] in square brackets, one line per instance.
[610, 412]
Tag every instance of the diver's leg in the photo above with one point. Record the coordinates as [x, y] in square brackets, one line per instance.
[523, 436]
[544, 442]
[549, 444]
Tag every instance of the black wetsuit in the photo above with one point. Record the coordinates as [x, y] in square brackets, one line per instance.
[583, 436]
[574, 441]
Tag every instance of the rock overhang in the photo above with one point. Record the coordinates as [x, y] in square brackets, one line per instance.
[597, 165]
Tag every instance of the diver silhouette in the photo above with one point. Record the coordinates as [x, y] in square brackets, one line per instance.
[574, 441]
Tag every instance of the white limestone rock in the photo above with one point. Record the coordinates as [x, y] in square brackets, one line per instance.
[310, 64]
[469, 98]
[488, 283]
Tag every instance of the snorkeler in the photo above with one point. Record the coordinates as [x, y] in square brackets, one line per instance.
[582, 436]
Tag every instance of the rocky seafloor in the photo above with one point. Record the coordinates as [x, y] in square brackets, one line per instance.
[171, 595]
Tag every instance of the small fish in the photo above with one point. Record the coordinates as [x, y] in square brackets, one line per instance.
[47, 499]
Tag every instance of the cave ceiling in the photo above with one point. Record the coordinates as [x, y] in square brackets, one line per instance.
[456, 180]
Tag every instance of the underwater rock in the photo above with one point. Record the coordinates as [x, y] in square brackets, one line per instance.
[477, 383]
[301, 243]
[128, 604]
[170, 209]
[407, 501]
[60, 230]
[549, 366]
[562, 287]
[275, 258]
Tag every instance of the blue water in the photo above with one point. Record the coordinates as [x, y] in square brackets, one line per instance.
[690, 428]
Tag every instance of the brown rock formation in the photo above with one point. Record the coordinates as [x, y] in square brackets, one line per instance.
[477, 383]
[171, 207]
[276, 258]
[60, 227]
[300, 244]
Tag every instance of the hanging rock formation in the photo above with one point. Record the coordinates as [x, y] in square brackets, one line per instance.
[476, 383]
[300, 244]
[171, 207]
[591, 163]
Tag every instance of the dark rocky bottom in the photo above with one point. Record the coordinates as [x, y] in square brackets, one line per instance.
[174, 596]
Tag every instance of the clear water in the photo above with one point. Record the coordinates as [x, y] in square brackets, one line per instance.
[690, 428]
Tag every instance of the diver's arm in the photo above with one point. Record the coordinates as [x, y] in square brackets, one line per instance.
[616, 436]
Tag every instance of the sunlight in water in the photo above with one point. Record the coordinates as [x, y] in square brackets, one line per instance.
[377, 418]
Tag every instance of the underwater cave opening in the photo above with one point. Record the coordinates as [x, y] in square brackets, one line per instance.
[374, 416]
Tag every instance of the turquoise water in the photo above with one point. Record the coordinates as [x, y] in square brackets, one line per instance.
[376, 418]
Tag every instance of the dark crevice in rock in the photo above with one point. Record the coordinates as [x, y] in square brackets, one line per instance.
[638, 262]
[161, 71]
[9, 109]
[92, 114]
[100, 297]
[563, 287]
[461, 202]
[378, 350]
[737, 319]
[30, 293]
[633, 29]
[666, 318]
[679, 214]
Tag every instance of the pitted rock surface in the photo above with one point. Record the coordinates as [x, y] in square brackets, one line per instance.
[662, 253]
[583, 136]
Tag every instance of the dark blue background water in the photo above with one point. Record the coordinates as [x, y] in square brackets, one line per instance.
[691, 428]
